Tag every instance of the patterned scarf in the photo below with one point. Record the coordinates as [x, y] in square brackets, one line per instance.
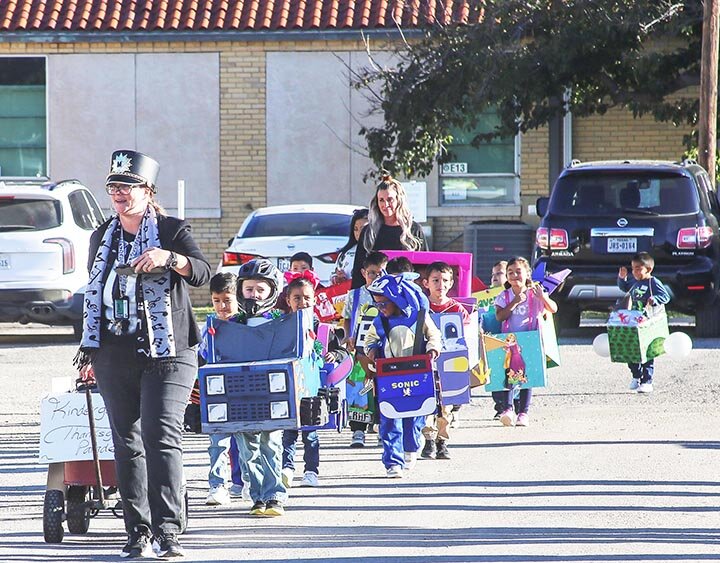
[155, 290]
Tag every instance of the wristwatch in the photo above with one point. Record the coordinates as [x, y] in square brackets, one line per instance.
[172, 261]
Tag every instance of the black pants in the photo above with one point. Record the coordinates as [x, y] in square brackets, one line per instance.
[146, 407]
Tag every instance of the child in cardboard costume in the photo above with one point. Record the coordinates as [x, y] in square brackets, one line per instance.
[392, 335]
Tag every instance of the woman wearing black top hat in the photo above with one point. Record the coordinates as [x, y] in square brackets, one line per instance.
[138, 342]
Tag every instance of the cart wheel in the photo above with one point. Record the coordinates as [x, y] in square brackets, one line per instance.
[185, 510]
[78, 511]
[53, 512]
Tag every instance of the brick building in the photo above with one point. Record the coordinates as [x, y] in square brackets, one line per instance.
[250, 103]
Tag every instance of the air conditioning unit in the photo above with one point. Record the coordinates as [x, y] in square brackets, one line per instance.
[492, 241]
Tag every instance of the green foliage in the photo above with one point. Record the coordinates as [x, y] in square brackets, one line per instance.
[522, 59]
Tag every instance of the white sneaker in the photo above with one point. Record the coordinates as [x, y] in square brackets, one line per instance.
[287, 477]
[410, 460]
[358, 439]
[634, 384]
[218, 496]
[395, 472]
[310, 479]
[645, 388]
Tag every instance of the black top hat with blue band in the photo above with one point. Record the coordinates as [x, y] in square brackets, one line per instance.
[132, 167]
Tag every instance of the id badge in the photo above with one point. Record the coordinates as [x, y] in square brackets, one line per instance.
[121, 308]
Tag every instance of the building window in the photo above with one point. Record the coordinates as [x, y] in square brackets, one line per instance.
[483, 175]
[23, 134]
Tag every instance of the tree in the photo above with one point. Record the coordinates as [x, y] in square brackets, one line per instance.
[520, 58]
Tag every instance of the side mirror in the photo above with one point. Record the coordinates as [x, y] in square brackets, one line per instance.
[230, 241]
[541, 206]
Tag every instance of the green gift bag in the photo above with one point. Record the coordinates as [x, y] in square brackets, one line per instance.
[638, 343]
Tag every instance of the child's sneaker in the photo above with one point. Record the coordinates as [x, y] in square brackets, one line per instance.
[258, 509]
[634, 384]
[429, 450]
[358, 439]
[310, 479]
[218, 496]
[442, 450]
[523, 419]
[288, 474]
[645, 387]
[395, 472]
[507, 418]
[274, 508]
[410, 460]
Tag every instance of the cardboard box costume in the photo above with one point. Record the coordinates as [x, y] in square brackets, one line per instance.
[637, 336]
[257, 375]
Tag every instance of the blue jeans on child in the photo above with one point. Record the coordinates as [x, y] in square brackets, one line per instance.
[311, 453]
[261, 453]
[643, 372]
[225, 465]
[521, 403]
[400, 435]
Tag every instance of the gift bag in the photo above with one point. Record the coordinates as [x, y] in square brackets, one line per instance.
[635, 336]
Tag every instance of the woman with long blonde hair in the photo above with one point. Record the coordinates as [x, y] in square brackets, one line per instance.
[390, 226]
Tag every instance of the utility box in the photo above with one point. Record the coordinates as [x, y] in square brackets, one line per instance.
[492, 241]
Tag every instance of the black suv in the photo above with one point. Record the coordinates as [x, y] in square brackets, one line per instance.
[601, 213]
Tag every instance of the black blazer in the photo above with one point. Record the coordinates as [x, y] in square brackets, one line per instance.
[174, 235]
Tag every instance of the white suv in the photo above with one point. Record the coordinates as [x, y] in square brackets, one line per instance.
[45, 232]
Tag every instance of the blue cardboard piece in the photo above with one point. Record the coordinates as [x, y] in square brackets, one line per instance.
[255, 396]
[289, 336]
[453, 363]
[516, 359]
[405, 387]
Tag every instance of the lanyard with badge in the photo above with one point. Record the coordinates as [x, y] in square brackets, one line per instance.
[121, 303]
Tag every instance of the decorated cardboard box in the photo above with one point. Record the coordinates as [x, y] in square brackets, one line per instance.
[453, 363]
[516, 359]
[460, 262]
[405, 386]
[255, 396]
[635, 337]
[65, 428]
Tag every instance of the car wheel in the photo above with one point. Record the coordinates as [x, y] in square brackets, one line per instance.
[567, 317]
[707, 320]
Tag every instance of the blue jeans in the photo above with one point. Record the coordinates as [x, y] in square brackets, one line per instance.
[400, 435]
[261, 452]
[521, 403]
[238, 473]
[643, 372]
[222, 468]
[311, 453]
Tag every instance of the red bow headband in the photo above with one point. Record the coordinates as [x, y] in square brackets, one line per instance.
[308, 275]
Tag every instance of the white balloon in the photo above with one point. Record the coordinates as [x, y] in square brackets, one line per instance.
[601, 345]
[678, 345]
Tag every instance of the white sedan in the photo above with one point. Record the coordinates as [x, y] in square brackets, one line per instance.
[280, 231]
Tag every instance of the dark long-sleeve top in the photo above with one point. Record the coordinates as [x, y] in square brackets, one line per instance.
[641, 290]
[388, 238]
[175, 234]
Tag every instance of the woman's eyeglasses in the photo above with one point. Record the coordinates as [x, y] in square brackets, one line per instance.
[123, 189]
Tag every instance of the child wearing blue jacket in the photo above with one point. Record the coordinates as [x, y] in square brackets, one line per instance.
[399, 302]
[644, 290]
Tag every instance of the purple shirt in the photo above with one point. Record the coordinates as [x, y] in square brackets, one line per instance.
[525, 316]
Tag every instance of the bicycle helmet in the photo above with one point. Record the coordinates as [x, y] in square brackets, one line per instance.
[259, 269]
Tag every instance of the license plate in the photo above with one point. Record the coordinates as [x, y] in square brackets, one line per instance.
[622, 245]
[283, 264]
[4, 262]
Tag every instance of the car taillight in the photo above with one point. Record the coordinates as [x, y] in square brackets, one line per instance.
[329, 257]
[237, 258]
[558, 238]
[694, 237]
[68, 251]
